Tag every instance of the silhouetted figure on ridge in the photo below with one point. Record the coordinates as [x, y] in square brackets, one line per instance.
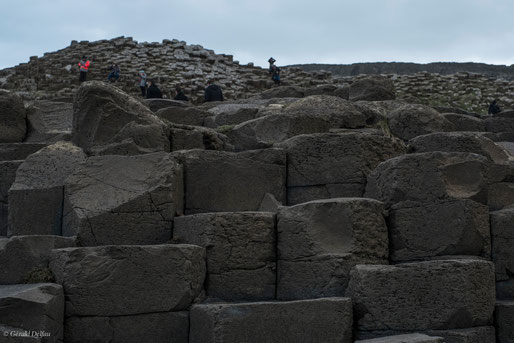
[494, 107]
[153, 92]
[213, 92]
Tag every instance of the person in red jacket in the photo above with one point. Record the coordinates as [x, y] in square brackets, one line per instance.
[84, 67]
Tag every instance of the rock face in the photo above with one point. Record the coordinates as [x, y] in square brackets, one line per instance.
[456, 294]
[12, 111]
[7, 176]
[36, 307]
[331, 165]
[105, 117]
[123, 199]
[218, 181]
[128, 280]
[503, 240]
[285, 322]
[320, 241]
[36, 196]
[24, 259]
[241, 258]
[49, 121]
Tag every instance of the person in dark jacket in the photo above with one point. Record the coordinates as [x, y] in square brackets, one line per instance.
[153, 91]
[213, 92]
[494, 107]
[180, 94]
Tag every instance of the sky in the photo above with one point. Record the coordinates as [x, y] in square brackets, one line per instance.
[292, 31]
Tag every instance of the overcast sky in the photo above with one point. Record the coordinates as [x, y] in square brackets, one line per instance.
[292, 31]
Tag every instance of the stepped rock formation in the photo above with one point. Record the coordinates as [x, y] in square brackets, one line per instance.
[324, 210]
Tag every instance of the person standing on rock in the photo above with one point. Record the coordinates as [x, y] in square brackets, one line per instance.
[153, 92]
[142, 82]
[114, 72]
[180, 94]
[494, 107]
[275, 75]
[213, 92]
[271, 62]
[83, 67]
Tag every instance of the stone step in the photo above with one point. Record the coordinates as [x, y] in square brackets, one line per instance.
[504, 321]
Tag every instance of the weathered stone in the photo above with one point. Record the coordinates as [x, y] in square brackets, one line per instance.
[218, 181]
[12, 111]
[372, 89]
[231, 114]
[163, 327]
[500, 195]
[331, 165]
[7, 177]
[269, 204]
[463, 122]
[320, 241]
[158, 104]
[455, 227]
[283, 92]
[36, 197]
[18, 151]
[504, 321]
[183, 115]
[459, 142]
[49, 121]
[455, 294]
[505, 289]
[123, 199]
[309, 321]
[406, 338]
[241, 259]
[4, 219]
[24, 259]
[410, 121]
[127, 280]
[429, 177]
[104, 115]
[186, 137]
[342, 92]
[480, 334]
[322, 90]
[502, 234]
[499, 124]
[35, 307]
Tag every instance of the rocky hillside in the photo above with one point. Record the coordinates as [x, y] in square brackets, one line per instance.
[336, 213]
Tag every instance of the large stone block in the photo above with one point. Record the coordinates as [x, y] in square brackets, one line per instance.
[186, 137]
[502, 234]
[163, 327]
[454, 227]
[12, 111]
[24, 259]
[36, 197]
[479, 334]
[7, 177]
[459, 142]
[183, 115]
[105, 117]
[432, 295]
[218, 181]
[18, 151]
[429, 177]
[331, 165]
[157, 104]
[505, 289]
[35, 308]
[463, 122]
[372, 89]
[504, 321]
[500, 195]
[499, 124]
[241, 258]
[320, 241]
[309, 321]
[49, 121]
[123, 199]
[406, 338]
[127, 280]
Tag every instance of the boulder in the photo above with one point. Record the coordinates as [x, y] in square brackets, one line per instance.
[322, 90]
[320, 241]
[128, 280]
[499, 124]
[309, 321]
[104, 115]
[186, 137]
[406, 338]
[504, 321]
[500, 195]
[372, 89]
[18, 151]
[455, 294]
[35, 308]
[241, 257]
[123, 199]
[36, 196]
[459, 142]
[502, 235]
[24, 259]
[411, 120]
[331, 165]
[183, 115]
[49, 121]
[217, 181]
[283, 92]
[12, 111]
[453, 227]
[464, 122]
[157, 104]
[162, 327]
[231, 114]
[429, 177]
